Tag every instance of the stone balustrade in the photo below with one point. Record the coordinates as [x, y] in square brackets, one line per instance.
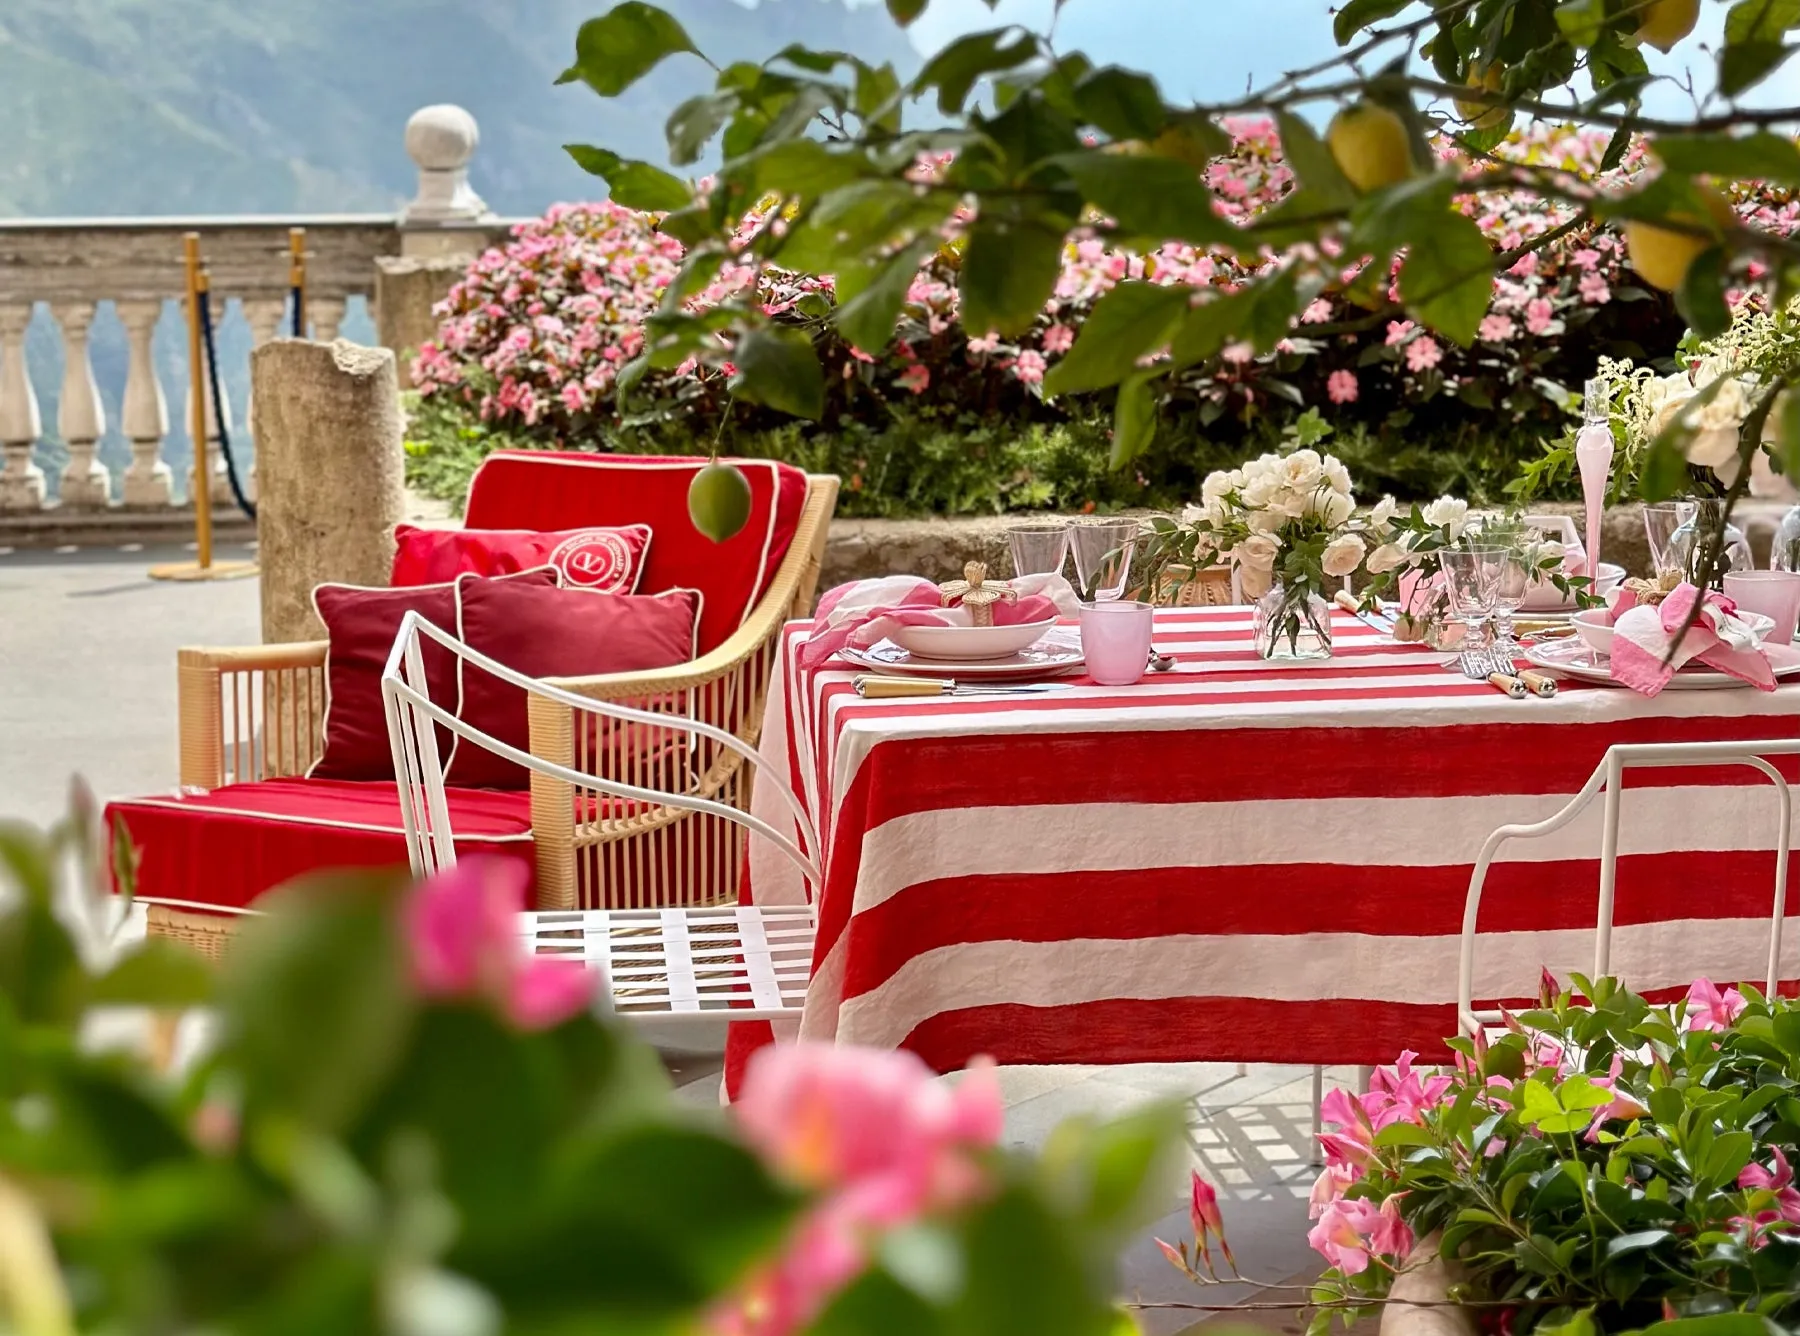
[91, 317]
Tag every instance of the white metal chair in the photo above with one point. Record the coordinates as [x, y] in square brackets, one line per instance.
[720, 962]
[1608, 777]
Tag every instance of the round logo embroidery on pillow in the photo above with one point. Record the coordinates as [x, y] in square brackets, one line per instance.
[594, 559]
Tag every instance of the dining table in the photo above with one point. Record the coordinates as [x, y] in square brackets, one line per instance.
[1239, 859]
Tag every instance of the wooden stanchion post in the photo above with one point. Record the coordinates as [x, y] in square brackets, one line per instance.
[297, 277]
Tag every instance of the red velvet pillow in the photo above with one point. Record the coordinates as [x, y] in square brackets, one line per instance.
[546, 489]
[606, 560]
[361, 624]
[553, 633]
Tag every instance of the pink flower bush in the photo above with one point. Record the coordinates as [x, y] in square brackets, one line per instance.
[462, 933]
[1709, 1009]
[879, 1139]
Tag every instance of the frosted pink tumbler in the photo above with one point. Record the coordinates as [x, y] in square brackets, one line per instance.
[1115, 641]
[1773, 593]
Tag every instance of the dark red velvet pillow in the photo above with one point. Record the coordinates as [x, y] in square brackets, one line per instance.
[554, 633]
[606, 560]
[361, 624]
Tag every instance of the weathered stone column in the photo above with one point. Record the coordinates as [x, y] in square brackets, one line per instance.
[406, 288]
[330, 474]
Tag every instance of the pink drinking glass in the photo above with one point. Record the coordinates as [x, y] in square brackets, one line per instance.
[1115, 640]
[1775, 594]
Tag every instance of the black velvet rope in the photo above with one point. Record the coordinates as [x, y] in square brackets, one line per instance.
[212, 375]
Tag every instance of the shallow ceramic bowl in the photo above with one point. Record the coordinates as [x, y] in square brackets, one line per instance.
[1594, 625]
[961, 644]
[1545, 597]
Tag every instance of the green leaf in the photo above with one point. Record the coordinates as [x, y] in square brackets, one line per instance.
[1134, 421]
[1133, 319]
[1312, 161]
[1206, 327]
[955, 70]
[801, 168]
[1581, 21]
[693, 124]
[1008, 272]
[1761, 20]
[1717, 1324]
[1402, 1134]
[632, 185]
[1616, 146]
[160, 973]
[1123, 103]
[1761, 155]
[870, 297]
[851, 222]
[1746, 64]
[1730, 1152]
[1027, 1273]
[778, 368]
[1448, 279]
[1359, 14]
[620, 47]
[1155, 199]
[877, 101]
[1701, 297]
[904, 12]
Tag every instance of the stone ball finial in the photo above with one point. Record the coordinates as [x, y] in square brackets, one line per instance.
[442, 138]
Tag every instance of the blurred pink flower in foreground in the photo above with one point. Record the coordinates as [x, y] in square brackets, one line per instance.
[462, 935]
[878, 1137]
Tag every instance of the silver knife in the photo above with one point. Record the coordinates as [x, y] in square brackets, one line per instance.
[1377, 620]
[871, 687]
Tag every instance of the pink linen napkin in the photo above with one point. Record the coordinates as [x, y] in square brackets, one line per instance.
[861, 613]
[1643, 634]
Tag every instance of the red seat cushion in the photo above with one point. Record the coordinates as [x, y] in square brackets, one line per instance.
[606, 560]
[547, 632]
[228, 846]
[544, 489]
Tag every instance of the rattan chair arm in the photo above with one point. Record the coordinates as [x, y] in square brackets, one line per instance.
[254, 658]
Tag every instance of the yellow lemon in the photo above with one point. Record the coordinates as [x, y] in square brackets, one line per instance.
[1661, 255]
[719, 501]
[1666, 22]
[1482, 115]
[1370, 145]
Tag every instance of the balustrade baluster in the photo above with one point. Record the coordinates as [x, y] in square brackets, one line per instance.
[21, 481]
[326, 314]
[145, 413]
[220, 485]
[80, 417]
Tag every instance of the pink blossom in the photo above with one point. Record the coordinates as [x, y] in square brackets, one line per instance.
[1709, 1009]
[1594, 290]
[1338, 1236]
[1317, 312]
[1537, 315]
[1391, 1236]
[1397, 331]
[985, 344]
[1058, 339]
[1497, 328]
[1423, 353]
[1206, 1221]
[1397, 1094]
[1237, 353]
[462, 933]
[915, 378]
[1585, 258]
[1340, 386]
[1029, 366]
[1328, 1187]
[1621, 1107]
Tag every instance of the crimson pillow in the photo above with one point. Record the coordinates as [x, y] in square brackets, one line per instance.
[606, 560]
[360, 624]
[547, 489]
[546, 632]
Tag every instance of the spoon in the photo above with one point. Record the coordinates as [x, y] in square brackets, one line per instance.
[1161, 663]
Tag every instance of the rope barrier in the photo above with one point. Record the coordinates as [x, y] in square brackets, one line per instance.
[212, 377]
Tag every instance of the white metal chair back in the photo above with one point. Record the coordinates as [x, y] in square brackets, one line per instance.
[721, 962]
[1608, 777]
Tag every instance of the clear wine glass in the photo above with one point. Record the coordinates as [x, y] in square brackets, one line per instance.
[1038, 549]
[1103, 552]
[1472, 584]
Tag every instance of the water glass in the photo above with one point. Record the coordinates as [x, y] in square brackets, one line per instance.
[1038, 549]
[1103, 553]
[1775, 594]
[1472, 583]
[1115, 640]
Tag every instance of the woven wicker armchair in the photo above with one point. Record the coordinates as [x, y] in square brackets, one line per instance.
[256, 713]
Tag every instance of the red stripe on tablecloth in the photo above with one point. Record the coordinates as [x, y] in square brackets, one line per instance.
[1226, 1029]
[1292, 898]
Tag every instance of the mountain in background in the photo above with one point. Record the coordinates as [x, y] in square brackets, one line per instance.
[123, 107]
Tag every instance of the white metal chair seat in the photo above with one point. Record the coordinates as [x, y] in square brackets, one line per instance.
[1608, 777]
[705, 964]
[729, 962]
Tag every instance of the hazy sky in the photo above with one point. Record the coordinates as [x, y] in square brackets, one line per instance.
[1206, 49]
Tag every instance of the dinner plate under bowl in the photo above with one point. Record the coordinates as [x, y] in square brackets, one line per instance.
[1591, 626]
[964, 644]
[1573, 659]
[1546, 597]
[1053, 655]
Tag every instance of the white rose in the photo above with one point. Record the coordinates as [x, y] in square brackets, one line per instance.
[1715, 449]
[1343, 555]
[1383, 514]
[1254, 583]
[1258, 492]
[1728, 407]
[1337, 475]
[1302, 471]
[1333, 507]
[1387, 557]
[1217, 485]
[1258, 552]
[1669, 408]
[1448, 513]
[1292, 502]
[1265, 521]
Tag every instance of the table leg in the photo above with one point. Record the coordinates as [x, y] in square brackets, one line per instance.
[1318, 1121]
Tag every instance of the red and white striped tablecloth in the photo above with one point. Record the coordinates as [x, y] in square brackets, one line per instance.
[1239, 860]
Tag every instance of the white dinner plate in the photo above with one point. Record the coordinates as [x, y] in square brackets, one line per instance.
[960, 644]
[1543, 596]
[1573, 659]
[1055, 654]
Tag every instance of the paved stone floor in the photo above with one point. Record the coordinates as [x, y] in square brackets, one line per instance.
[87, 684]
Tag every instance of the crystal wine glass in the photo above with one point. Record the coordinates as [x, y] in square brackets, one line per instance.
[1038, 549]
[1103, 557]
[1472, 583]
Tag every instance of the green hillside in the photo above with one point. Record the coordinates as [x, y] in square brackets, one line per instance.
[267, 106]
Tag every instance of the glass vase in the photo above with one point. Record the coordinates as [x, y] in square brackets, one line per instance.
[1681, 533]
[1292, 623]
[1784, 548]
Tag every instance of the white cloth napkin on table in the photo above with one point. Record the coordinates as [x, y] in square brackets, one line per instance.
[863, 612]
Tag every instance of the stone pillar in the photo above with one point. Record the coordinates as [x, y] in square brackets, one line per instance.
[21, 481]
[330, 471]
[325, 314]
[406, 289]
[144, 416]
[216, 413]
[86, 482]
[440, 140]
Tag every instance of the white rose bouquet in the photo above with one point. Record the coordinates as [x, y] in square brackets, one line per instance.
[1283, 523]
